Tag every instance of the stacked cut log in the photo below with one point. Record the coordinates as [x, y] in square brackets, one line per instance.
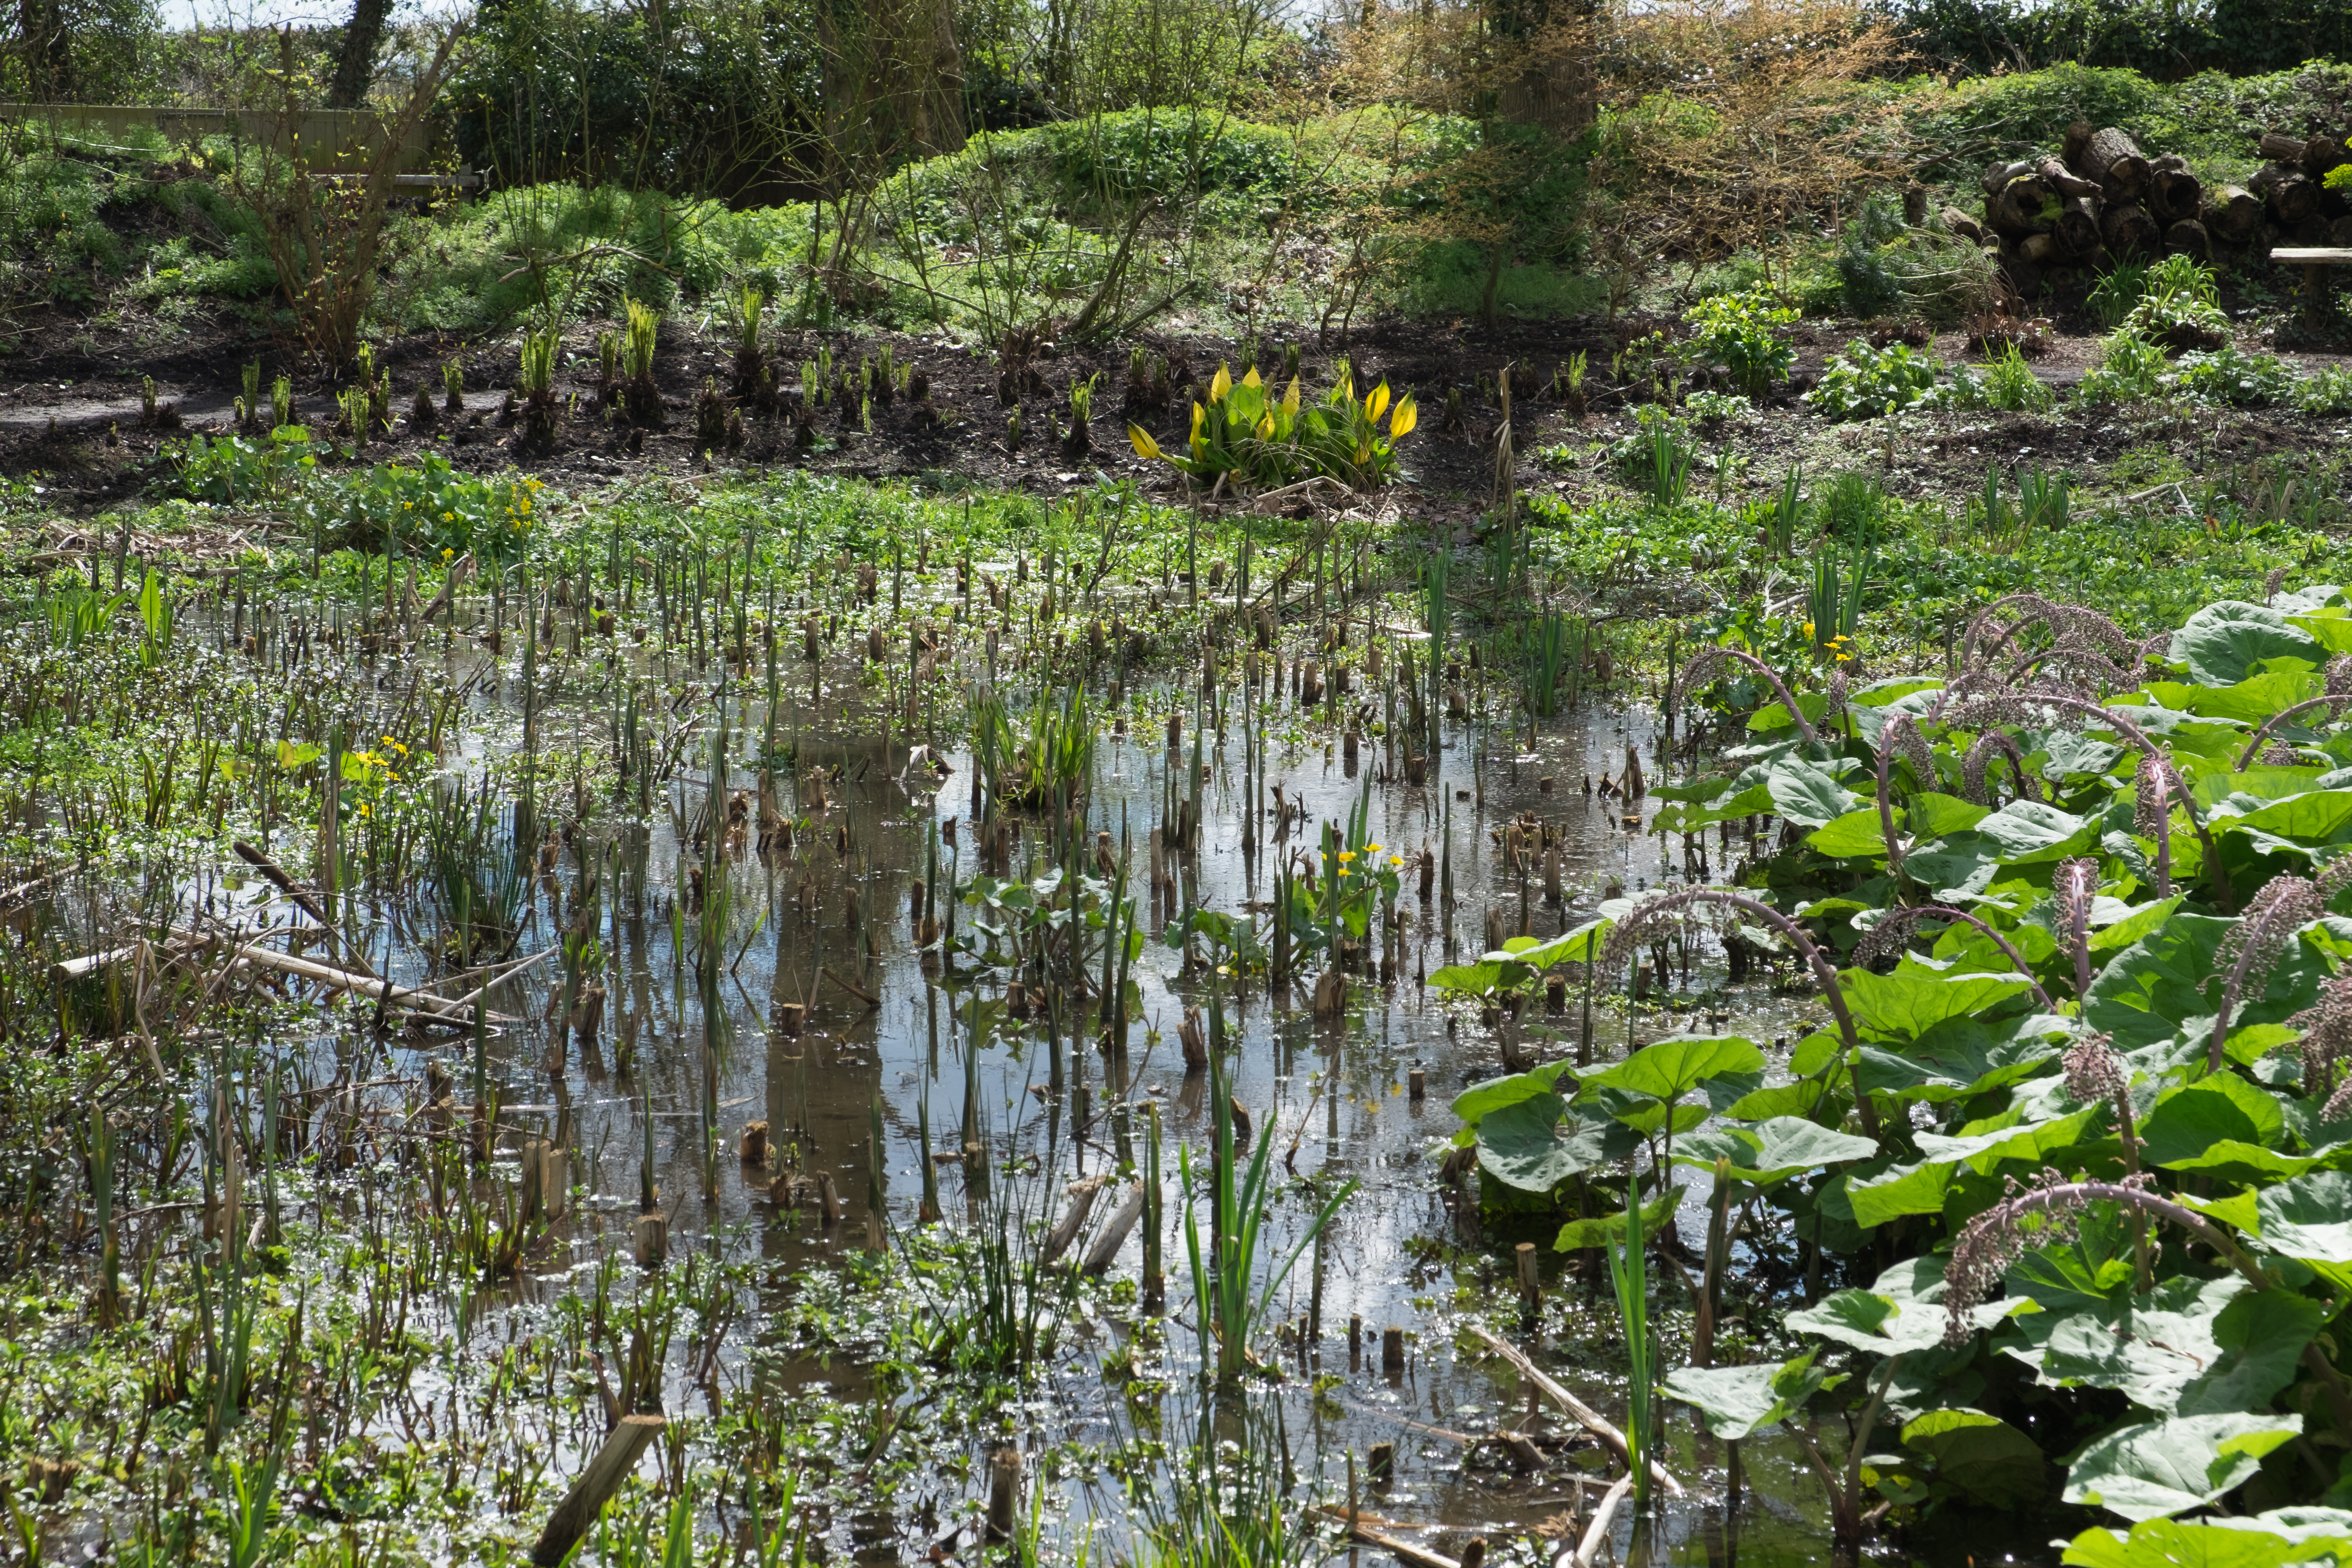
[2053, 219]
[2297, 207]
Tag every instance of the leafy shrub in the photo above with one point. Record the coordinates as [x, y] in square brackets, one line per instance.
[1864, 383]
[1164, 150]
[2224, 375]
[2009, 382]
[2130, 369]
[1656, 457]
[1854, 509]
[1742, 334]
[1886, 266]
[430, 509]
[232, 470]
[2111, 299]
[1714, 407]
[2179, 306]
[2328, 392]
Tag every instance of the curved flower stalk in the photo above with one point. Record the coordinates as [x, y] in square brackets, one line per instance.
[2338, 692]
[1996, 1238]
[2077, 636]
[2283, 906]
[1672, 909]
[2074, 885]
[2015, 708]
[1893, 929]
[2326, 1027]
[1973, 764]
[1899, 733]
[1707, 661]
[2094, 1071]
[2152, 814]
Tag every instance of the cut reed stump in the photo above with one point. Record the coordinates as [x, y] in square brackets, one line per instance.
[581, 1506]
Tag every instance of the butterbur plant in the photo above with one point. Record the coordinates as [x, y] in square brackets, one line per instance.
[2252, 947]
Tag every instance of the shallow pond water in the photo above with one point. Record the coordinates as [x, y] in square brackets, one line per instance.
[1406, 1251]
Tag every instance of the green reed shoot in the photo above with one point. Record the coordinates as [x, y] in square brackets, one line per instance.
[539, 350]
[1222, 1297]
[644, 330]
[1547, 664]
[1628, 1274]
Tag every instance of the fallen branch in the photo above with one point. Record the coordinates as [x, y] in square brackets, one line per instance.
[385, 996]
[1602, 1518]
[610, 1466]
[1404, 1551]
[1593, 1420]
[276, 876]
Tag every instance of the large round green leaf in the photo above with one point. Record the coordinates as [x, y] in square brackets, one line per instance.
[2228, 640]
[2309, 1217]
[1984, 1457]
[1674, 1067]
[2167, 1467]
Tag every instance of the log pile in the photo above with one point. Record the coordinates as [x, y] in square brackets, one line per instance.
[2053, 220]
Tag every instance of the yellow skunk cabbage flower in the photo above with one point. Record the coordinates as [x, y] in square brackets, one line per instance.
[1290, 398]
[1249, 377]
[1140, 439]
[1221, 385]
[1407, 416]
[1265, 425]
[1378, 402]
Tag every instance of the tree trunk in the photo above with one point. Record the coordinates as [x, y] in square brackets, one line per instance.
[2078, 137]
[1959, 223]
[2322, 154]
[2175, 194]
[2024, 207]
[49, 54]
[2063, 180]
[2078, 226]
[2187, 237]
[2000, 175]
[2292, 197]
[355, 61]
[2278, 147]
[2128, 228]
[2234, 213]
[2116, 162]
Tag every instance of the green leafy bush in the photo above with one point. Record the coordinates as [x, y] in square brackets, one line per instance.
[2225, 376]
[2326, 391]
[1864, 383]
[2008, 383]
[1742, 332]
[2130, 369]
[1716, 408]
[2179, 306]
